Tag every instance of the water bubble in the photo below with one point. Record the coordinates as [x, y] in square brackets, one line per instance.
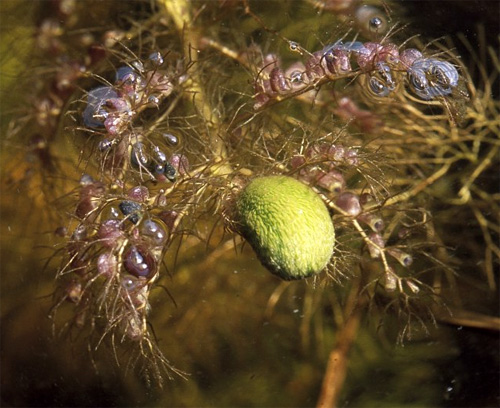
[138, 66]
[294, 46]
[104, 145]
[154, 232]
[375, 23]
[156, 58]
[95, 112]
[170, 139]
[159, 155]
[170, 172]
[86, 180]
[125, 73]
[139, 262]
[138, 155]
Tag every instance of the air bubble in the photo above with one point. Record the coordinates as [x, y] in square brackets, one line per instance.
[95, 112]
[370, 20]
[159, 156]
[138, 156]
[131, 284]
[86, 180]
[376, 23]
[153, 100]
[139, 262]
[138, 66]
[104, 145]
[169, 172]
[154, 232]
[125, 73]
[156, 58]
[170, 139]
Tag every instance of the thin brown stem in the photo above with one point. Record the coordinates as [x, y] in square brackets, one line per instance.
[338, 360]
[181, 13]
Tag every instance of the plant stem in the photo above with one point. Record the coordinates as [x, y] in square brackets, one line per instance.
[335, 374]
[180, 12]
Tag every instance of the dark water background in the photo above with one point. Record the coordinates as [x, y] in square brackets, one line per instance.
[236, 357]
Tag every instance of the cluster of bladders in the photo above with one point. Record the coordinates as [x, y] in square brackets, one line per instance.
[321, 166]
[117, 246]
[380, 65]
[137, 86]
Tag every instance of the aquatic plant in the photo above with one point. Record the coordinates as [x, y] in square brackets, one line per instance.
[158, 146]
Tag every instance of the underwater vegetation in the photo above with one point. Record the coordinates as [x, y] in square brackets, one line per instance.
[239, 203]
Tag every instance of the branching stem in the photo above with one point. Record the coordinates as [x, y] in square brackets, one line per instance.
[180, 12]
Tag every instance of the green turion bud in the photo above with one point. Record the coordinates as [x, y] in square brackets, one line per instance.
[288, 226]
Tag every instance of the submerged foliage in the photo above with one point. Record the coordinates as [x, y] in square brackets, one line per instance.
[133, 147]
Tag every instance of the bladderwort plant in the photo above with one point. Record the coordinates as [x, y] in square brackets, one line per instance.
[346, 152]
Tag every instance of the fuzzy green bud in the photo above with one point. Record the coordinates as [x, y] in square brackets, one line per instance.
[288, 226]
